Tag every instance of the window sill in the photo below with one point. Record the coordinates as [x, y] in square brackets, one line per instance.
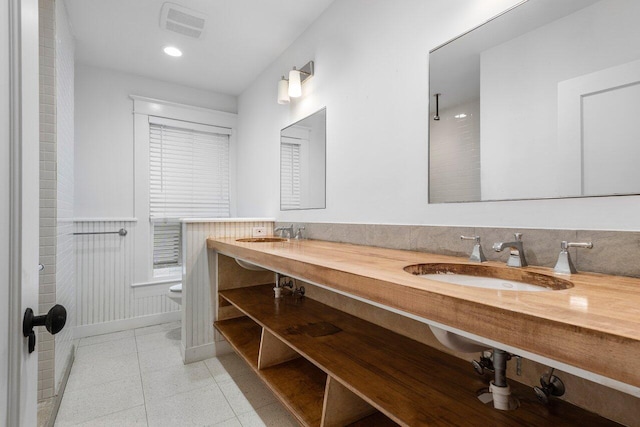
[163, 281]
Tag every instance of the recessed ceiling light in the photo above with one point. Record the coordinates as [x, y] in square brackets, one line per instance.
[172, 51]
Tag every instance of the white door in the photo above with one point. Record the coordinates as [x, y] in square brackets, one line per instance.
[19, 226]
[598, 132]
[610, 136]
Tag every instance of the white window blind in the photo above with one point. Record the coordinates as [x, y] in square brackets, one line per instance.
[289, 176]
[167, 245]
[189, 170]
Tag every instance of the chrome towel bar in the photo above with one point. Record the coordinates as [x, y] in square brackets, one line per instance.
[122, 232]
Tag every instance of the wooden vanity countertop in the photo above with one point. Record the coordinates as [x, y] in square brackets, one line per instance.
[594, 325]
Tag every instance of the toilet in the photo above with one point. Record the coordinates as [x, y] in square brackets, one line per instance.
[175, 293]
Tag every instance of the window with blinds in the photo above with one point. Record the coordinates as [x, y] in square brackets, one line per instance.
[289, 176]
[189, 170]
[188, 178]
[167, 246]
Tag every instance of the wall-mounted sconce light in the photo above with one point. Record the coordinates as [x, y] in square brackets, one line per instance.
[437, 116]
[283, 91]
[292, 88]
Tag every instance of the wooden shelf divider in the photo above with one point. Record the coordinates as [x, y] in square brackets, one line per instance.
[353, 371]
[273, 351]
[342, 407]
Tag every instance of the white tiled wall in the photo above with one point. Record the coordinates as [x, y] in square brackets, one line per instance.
[65, 259]
[57, 284]
[454, 152]
[48, 237]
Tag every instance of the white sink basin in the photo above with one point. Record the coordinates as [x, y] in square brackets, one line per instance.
[489, 277]
[457, 342]
[261, 239]
[484, 282]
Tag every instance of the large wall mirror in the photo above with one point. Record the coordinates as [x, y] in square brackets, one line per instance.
[539, 102]
[303, 163]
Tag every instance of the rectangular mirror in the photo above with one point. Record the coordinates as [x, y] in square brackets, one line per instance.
[303, 163]
[539, 102]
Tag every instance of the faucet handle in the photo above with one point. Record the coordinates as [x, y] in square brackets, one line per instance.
[564, 245]
[564, 264]
[477, 255]
[518, 237]
[299, 233]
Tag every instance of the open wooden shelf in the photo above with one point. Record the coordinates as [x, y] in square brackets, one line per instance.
[244, 336]
[410, 383]
[376, 420]
[300, 385]
[297, 383]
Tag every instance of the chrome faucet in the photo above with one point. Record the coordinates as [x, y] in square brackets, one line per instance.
[289, 231]
[476, 254]
[516, 255]
[564, 264]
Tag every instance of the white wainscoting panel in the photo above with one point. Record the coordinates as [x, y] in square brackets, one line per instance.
[197, 316]
[104, 274]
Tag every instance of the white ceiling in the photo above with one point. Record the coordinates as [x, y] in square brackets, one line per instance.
[242, 37]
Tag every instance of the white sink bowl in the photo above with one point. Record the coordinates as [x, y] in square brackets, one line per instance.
[458, 342]
[484, 282]
[489, 277]
[261, 239]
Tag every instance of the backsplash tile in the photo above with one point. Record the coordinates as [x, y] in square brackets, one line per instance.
[388, 236]
[443, 240]
[614, 252]
[335, 232]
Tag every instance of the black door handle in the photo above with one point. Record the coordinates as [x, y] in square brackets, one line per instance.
[54, 321]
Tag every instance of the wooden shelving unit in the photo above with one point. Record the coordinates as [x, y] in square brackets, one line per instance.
[333, 369]
[244, 336]
[298, 383]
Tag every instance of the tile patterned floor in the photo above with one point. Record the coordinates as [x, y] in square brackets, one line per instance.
[137, 378]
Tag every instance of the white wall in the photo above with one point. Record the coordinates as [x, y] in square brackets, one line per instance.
[371, 63]
[104, 160]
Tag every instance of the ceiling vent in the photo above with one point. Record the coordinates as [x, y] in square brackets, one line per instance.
[181, 20]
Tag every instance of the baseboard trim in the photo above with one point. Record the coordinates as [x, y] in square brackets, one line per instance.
[61, 387]
[126, 324]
